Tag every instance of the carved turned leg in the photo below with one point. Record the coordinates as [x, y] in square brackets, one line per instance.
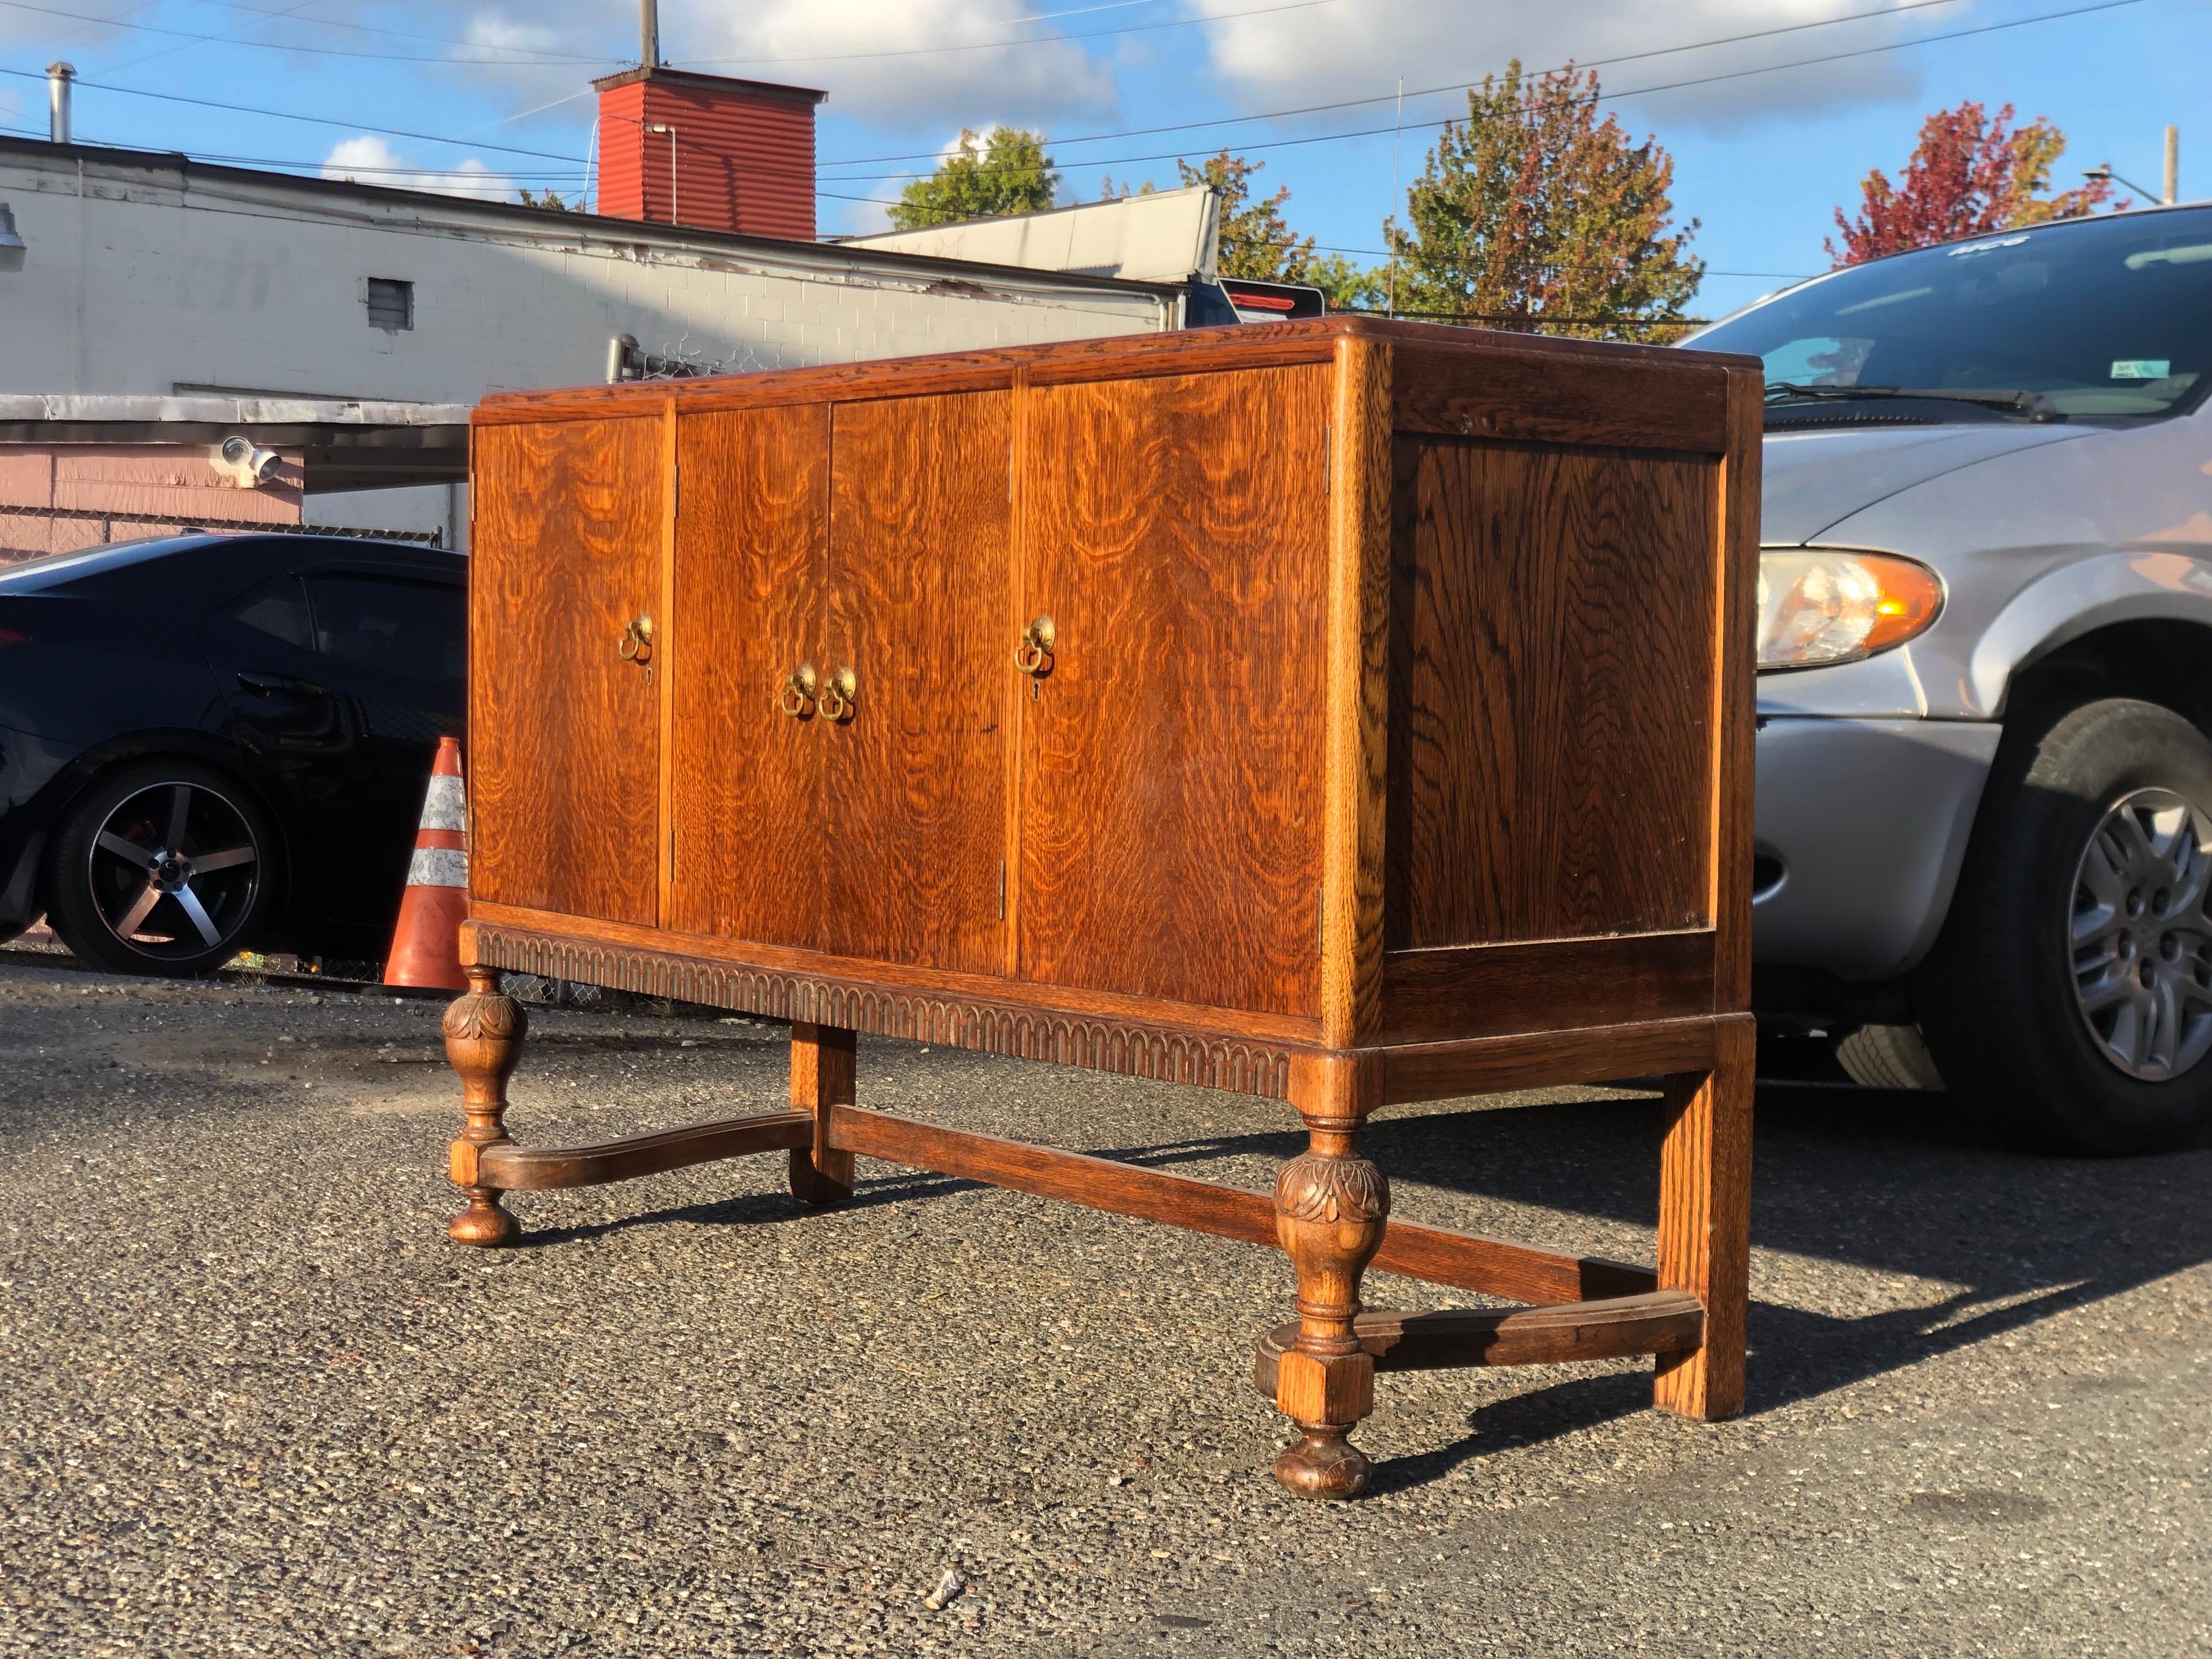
[1330, 1206]
[1704, 1225]
[822, 1076]
[484, 1040]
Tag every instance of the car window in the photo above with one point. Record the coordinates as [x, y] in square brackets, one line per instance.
[416, 629]
[279, 608]
[2110, 316]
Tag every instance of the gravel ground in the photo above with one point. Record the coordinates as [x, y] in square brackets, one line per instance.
[255, 1403]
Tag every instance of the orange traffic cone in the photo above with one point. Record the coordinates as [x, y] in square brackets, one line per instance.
[426, 947]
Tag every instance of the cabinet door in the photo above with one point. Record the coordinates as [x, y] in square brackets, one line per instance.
[1176, 531]
[752, 527]
[914, 788]
[564, 769]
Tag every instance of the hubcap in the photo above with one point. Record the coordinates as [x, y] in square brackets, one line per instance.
[173, 871]
[2141, 941]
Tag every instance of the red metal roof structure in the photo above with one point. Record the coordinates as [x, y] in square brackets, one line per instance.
[707, 151]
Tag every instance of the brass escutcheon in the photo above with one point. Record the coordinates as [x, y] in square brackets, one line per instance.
[1034, 654]
[840, 694]
[796, 698]
[636, 643]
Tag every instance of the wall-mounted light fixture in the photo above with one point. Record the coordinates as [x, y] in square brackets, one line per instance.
[245, 462]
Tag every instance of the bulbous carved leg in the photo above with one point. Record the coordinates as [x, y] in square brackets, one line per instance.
[483, 1040]
[1330, 1207]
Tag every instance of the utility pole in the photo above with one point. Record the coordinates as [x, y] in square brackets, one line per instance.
[649, 34]
[2172, 166]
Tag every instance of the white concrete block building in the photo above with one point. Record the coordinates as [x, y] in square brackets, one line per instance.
[148, 275]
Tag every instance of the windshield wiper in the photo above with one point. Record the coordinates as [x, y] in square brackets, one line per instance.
[2033, 405]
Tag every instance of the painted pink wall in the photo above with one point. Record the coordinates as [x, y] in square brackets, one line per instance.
[157, 488]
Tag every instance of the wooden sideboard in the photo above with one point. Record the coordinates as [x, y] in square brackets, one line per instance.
[1343, 713]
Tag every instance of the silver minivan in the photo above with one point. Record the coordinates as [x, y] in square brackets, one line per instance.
[1985, 786]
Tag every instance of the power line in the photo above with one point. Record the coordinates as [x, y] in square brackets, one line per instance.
[1431, 92]
[231, 40]
[312, 120]
[1611, 97]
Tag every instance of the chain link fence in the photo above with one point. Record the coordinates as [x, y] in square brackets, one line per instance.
[134, 524]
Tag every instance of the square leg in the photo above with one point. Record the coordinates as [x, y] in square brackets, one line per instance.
[1704, 1224]
[821, 1078]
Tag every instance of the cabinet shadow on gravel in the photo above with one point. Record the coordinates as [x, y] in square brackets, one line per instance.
[1888, 1182]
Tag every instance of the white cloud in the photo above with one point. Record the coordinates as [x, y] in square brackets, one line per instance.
[369, 159]
[882, 62]
[806, 42]
[1330, 52]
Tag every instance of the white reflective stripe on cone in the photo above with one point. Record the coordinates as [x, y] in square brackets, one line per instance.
[442, 807]
[438, 867]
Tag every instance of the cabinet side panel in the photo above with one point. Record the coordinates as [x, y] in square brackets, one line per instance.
[1552, 692]
[751, 526]
[1173, 762]
[564, 767]
[913, 822]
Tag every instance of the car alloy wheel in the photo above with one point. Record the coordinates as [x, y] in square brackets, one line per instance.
[173, 871]
[2141, 939]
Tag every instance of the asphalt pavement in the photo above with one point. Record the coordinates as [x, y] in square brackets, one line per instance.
[252, 1401]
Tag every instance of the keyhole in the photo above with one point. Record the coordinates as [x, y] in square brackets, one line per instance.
[1036, 690]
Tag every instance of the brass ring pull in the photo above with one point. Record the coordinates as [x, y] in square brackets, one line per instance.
[1034, 654]
[796, 698]
[636, 643]
[839, 695]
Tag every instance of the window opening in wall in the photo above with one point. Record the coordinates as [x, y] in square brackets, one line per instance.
[390, 304]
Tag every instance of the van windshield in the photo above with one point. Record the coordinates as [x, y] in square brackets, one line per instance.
[2103, 316]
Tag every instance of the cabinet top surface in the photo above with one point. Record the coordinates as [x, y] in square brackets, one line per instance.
[1196, 351]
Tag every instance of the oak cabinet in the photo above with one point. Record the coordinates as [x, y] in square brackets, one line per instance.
[1397, 690]
[1340, 712]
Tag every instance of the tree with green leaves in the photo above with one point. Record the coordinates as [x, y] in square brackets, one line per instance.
[1533, 212]
[550, 200]
[988, 176]
[1258, 244]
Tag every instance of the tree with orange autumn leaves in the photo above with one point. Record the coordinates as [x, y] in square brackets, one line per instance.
[1969, 175]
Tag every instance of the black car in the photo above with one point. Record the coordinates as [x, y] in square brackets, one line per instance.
[211, 743]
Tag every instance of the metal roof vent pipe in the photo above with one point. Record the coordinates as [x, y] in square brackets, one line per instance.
[58, 77]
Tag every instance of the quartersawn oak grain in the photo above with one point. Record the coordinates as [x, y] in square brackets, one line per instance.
[1553, 695]
[564, 763]
[1172, 763]
[912, 822]
[1394, 744]
[753, 530]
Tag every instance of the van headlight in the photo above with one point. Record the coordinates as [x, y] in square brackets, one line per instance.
[1818, 605]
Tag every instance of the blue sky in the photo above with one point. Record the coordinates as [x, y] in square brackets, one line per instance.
[481, 98]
